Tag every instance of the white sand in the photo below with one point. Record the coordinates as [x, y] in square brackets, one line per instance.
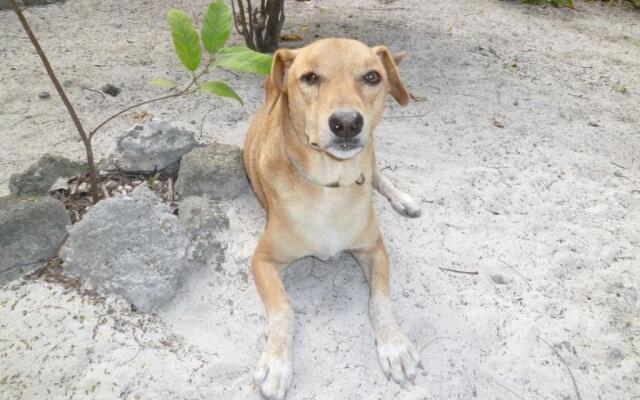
[537, 205]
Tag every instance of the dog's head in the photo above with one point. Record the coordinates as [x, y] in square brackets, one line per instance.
[336, 91]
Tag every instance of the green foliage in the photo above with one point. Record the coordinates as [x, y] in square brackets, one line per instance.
[242, 59]
[221, 89]
[620, 88]
[555, 3]
[152, 181]
[163, 83]
[216, 28]
[185, 39]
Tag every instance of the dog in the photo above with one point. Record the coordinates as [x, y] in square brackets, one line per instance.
[309, 156]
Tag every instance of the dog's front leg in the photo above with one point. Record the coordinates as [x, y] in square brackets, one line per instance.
[274, 370]
[396, 353]
[402, 202]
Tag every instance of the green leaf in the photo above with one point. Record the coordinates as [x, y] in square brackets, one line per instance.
[242, 59]
[216, 26]
[221, 89]
[163, 83]
[185, 39]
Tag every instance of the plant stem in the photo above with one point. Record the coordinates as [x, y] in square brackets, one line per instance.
[86, 140]
[103, 123]
[194, 80]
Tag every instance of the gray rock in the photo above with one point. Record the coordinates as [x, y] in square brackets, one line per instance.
[130, 246]
[215, 171]
[207, 225]
[4, 4]
[42, 174]
[153, 145]
[31, 229]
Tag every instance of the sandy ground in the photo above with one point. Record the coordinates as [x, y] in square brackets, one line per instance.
[524, 158]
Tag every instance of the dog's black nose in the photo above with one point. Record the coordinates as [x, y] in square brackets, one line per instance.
[346, 124]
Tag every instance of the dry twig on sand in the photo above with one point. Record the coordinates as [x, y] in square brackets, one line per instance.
[459, 271]
[573, 379]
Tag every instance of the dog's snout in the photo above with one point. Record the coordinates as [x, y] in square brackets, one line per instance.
[346, 124]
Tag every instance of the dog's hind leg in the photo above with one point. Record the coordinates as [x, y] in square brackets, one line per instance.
[402, 202]
[274, 371]
[397, 354]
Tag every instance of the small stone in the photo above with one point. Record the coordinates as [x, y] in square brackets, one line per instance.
[614, 357]
[59, 184]
[215, 171]
[83, 187]
[498, 280]
[154, 145]
[41, 175]
[112, 185]
[111, 90]
[44, 95]
[31, 230]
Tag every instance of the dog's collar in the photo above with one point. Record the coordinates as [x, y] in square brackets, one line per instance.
[313, 180]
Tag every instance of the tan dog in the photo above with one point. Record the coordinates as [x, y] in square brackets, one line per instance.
[309, 156]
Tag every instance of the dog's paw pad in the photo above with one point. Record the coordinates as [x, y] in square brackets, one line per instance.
[405, 205]
[398, 357]
[273, 376]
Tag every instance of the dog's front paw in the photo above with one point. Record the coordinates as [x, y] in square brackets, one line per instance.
[273, 375]
[397, 355]
[405, 205]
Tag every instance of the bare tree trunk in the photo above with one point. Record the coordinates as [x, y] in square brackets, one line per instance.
[261, 26]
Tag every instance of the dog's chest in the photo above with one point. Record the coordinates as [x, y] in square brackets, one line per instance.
[330, 223]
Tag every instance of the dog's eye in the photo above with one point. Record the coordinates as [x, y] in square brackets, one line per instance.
[310, 78]
[371, 78]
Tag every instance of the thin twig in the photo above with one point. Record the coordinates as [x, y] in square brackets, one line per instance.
[94, 91]
[86, 139]
[119, 113]
[170, 189]
[405, 116]
[619, 166]
[507, 389]
[204, 117]
[573, 379]
[459, 271]
[517, 272]
[551, 184]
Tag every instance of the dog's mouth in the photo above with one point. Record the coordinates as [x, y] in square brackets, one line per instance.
[344, 148]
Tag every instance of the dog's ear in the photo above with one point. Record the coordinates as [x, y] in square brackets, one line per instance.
[396, 88]
[282, 60]
[276, 83]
